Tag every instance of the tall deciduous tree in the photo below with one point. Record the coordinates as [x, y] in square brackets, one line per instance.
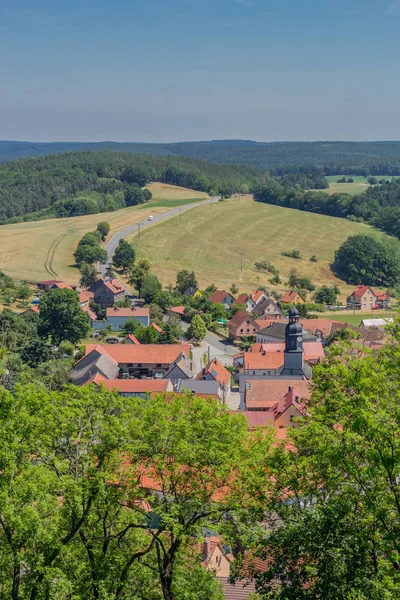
[150, 287]
[197, 328]
[138, 272]
[104, 229]
[89, 275]
[185, 279]
[61, 317]
[124, 256]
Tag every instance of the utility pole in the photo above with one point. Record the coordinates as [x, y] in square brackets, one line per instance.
[180, 216]
[241, 262]
[139, 232]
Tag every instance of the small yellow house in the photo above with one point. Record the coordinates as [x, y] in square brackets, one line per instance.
[292, 297]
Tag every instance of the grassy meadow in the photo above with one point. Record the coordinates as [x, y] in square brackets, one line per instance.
[41, 250]
[360, 184]
[215, 240]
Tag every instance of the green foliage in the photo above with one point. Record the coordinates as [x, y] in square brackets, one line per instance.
[234, 289]
[197, 329]
[124, 256]
[133, 195]
[299, 283]
[184, 280]
[362, 259]
[104, 229]
[235, 309]
[265, 266]
[313, 258]
[326, 295]
[131, 325]
[22, 292]
[66, 348]
[150, 287]
[292, 254]
[147, 195]
[89, 249]
[6, 282]
[89, 275]
[138, 272]
[61, 317]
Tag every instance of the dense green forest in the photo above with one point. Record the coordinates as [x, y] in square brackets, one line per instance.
[90, 182]
[329, 158]
[379, 205]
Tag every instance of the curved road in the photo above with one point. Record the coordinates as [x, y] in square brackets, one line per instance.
[111, 246]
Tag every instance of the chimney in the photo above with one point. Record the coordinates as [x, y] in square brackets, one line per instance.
[116, 308]
[289, 389]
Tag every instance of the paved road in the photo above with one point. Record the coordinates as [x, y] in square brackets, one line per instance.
[111, 246]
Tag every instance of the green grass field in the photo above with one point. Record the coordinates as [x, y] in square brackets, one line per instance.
[42, 250]
[360, 184]
[355, 317]
[223, 241]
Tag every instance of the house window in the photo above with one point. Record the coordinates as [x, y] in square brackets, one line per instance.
[291, 418]
[248, 330]
[140, 364]
[281, 427]
[159, 365]
[241, 331]
[254, 372]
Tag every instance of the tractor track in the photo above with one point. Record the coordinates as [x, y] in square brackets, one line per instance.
[50, 254]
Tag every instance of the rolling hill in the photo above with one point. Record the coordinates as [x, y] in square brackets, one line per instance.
[215, 240]
[363, 158]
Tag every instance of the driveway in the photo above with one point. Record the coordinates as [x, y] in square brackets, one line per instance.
[111, 246]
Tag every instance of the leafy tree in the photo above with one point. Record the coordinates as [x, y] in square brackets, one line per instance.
[234, 289]
[235, 309]
[313, 258]
[66, 348]
[164, 299]
[363, 259]
[325, 295]
[22, 292]
[156, 312]
[197, 329]
[133, 195]
[89, 254]
[147, 335]
[35, 352]
[131, 325]
[185, 279]
[172, 331]
[110, 271]
[150, 288]
[147, 195]
[104, 229]
[138, 272]
[89, 275]
[292, 254]
[124, 256]
[61, 317]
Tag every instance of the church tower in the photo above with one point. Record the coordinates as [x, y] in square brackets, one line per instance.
[293, 363]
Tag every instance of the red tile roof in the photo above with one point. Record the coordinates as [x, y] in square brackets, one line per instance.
[85, 296]
[289, 296]
[178, 310]
[242, 299]
[312, 350]
[219, 295]
[92, 315]
[132, 339]
[240, 317]
[49, 282]
[258, 360]
[35, 308]
[240, 591]
[143, 353]
[62, 285]
[267, 392]
[157, 328]
[127, 312]
[360, 290]
[136, 385]
[257, 295]
[217, 372]
[114, 286]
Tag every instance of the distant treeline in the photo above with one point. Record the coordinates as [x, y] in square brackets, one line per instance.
[278, 158]
[89, 182]
[378, 205]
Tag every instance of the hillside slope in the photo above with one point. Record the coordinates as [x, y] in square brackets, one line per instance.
[214, 241]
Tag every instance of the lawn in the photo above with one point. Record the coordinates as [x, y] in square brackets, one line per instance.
[215, 240]
[355, 317]
[44, 249]
[360, 184]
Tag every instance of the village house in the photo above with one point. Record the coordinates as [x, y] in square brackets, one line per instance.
[222, 297]
[143, 388]
[215, 371]
[205, 388]
[53, 284]
[107, 292]
[276, 333]
[292, 297]
[117, 317]
[382, 300]
[258, 296]
[176, 311]
[241, 325]
[246, 301]
[85, 297]
[362, 297]
[141, 361]
[194, 292]
[269, 308]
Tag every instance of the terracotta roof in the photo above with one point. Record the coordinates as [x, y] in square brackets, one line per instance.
[136, 385]
[132, 339]
[312, 350]
[127, 312]
[263, 393]
[381, 296]
[241, 316]
[89, 311]
[240, 591]
[217, 372]
[85, 296]
[314, 325]
[241, 299]
[62, 285]
[49, 282]
[360, 290]
[289, 296]
[179, 310]
[257, 295]
[114, 286]
[157, 328]
[259, 360]
[219, 295]
[143, 353]
[35, 308]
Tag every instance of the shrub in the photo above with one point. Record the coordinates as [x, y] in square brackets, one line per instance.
[292, 254]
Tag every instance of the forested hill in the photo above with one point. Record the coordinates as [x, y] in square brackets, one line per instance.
[88, 182]
[329, 158]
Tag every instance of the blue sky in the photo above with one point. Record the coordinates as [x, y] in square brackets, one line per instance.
[170, 70]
